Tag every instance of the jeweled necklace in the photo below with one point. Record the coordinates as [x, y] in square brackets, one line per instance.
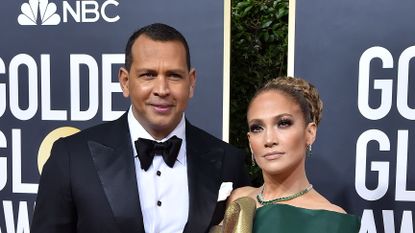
[260, 196]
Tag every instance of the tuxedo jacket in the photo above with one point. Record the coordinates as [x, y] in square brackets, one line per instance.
[89, 183]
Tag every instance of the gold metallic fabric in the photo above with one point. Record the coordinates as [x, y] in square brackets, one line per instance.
[239, 217]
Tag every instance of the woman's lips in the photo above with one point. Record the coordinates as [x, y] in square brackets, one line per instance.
[273, 155]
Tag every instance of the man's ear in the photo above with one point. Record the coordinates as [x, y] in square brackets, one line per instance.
[192, 79]
[123, 77]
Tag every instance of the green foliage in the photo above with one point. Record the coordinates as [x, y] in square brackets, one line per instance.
[259, 41]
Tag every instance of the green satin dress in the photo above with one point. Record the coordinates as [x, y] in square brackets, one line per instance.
[282, 218]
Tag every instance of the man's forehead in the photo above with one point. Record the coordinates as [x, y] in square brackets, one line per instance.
[151, 51]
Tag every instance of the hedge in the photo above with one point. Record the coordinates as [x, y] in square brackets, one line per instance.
[259, 41]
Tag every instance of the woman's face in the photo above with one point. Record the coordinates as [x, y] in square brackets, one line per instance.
[278, 135]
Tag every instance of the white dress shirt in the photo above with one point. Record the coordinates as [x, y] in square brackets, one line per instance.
[163, 191]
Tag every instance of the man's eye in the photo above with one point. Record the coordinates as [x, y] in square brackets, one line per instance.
[175, 76]
[147, 75]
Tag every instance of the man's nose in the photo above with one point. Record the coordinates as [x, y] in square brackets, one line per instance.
[161, 86]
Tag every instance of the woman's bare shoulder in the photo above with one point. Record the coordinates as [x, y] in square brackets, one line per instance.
[243, 192]
[320, 202]
[332, 207]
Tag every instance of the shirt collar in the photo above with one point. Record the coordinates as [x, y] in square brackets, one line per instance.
[138, 131]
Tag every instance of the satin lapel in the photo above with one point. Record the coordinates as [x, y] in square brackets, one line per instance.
[204, 165]
[115, 168]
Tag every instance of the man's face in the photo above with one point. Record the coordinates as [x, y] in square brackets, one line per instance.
[159, 84]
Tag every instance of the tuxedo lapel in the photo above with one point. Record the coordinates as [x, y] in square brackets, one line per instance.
[115, 167]
[204, 165]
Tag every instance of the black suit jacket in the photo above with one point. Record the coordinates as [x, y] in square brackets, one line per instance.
[89, 184]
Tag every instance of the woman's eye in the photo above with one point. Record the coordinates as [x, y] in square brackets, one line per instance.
[283, 123]
[255, 128]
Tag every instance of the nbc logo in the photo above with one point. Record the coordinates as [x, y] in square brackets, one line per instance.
[42, 12]
[38, 12]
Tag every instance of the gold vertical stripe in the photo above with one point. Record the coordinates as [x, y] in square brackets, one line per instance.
[226, 69]
[291, 38]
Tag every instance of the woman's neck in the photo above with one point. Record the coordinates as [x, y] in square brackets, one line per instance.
[280, 185]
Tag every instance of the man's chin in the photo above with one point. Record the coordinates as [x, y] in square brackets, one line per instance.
[163, 127]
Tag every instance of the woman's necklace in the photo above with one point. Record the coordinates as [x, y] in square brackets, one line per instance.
[260, 196]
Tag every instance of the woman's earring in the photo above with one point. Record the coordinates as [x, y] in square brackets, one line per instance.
[253, 160]
[308, 152]
[252, 157]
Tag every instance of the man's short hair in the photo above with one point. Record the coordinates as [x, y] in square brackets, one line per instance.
[156, 32]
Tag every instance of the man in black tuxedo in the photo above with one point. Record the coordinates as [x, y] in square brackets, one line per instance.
[105, 179]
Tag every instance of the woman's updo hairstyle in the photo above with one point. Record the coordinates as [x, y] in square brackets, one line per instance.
[303, 92]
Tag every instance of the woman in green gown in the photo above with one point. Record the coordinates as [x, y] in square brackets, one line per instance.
[283, 117]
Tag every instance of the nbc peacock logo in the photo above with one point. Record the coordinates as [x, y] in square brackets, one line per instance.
[38, 12]
[42, 12]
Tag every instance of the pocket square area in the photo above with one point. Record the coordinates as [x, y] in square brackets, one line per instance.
[225, 190]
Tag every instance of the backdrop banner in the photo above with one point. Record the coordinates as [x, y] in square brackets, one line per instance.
[59, 61]
[360, 54]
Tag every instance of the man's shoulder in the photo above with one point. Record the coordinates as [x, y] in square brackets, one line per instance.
[101, 131]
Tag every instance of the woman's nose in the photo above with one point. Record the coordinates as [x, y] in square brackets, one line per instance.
[271, 138]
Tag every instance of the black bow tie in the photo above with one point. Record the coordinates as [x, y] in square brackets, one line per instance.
[146, 150]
